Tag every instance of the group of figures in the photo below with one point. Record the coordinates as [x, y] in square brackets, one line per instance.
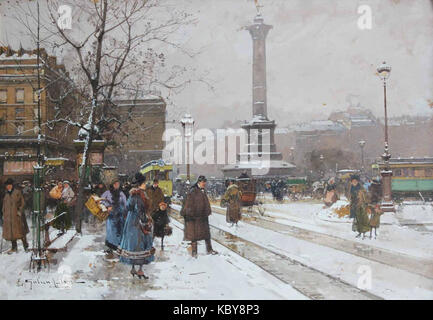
[18, 202]
[134, 221]
[62, 197]
[364, 207]
[137, 217]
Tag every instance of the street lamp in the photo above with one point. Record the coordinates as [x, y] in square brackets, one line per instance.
[362, 144]
[322, 158]
[387, 204]
[188, 130]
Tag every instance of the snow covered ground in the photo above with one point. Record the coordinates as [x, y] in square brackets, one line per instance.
[387, 282]
[393, 234]
[83, 273]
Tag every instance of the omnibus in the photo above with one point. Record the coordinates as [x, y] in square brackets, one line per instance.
[411, 176]
[163, 172]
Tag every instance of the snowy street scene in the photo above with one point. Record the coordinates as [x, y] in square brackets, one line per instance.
[303, 252]
[202, 151]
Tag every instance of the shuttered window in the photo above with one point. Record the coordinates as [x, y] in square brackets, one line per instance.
[19, 95]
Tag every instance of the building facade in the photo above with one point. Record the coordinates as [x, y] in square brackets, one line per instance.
[139, 138]
[19, 112]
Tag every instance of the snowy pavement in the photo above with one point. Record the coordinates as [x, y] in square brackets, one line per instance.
[392, 235]
[387, 281]
[296, 251]
[83, 273]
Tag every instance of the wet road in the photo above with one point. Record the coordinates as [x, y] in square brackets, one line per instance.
[310, 282]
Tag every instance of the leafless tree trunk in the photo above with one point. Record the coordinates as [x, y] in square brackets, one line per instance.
[112, 47]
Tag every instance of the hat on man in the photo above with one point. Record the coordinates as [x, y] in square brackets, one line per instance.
[139, 178]
[201, 178]
[354, 177]
[9, 181]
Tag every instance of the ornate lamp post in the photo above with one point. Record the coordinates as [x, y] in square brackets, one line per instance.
[362, 145]
[387, 204]
[188, 129]
[38, 257]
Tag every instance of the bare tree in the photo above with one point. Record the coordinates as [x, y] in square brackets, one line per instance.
[113, 45]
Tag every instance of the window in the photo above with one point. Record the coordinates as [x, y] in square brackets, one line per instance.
[429, 172]
[410, 172]
[396, 172]
[20, 114]
[419, 173]
[19, 95]
[3, 96]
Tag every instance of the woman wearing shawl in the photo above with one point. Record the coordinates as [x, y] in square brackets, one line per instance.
[358, 207]
[136, 247]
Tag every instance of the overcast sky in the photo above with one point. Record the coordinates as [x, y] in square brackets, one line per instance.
[316, 57]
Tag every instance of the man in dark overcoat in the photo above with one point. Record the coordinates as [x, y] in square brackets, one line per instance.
[14, 221]
[196, 211]
[156, 196]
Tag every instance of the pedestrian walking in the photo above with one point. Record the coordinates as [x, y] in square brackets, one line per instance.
[156, 196]
[232, 199]
[358, 207]
[115, 201]
[14, 222]
[136, 247]
[160, 223]
[376, 212]
[196, 212]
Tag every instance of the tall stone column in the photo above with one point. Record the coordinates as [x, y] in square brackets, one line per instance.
[258, 32]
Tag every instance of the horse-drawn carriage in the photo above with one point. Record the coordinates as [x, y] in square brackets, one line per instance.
[248, 187]
[296, 187]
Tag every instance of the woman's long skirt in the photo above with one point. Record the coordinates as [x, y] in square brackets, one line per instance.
[114, 228]
[134, 240]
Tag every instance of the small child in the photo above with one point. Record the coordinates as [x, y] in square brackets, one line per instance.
[160, 223]
[376, 212]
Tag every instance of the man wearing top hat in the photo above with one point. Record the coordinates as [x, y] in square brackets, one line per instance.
[196, 212]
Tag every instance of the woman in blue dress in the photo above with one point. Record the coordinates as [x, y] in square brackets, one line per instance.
[136, 247]
[115, 201]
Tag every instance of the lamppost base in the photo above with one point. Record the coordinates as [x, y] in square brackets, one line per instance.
[387, 205]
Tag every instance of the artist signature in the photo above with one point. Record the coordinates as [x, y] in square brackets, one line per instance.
[51, 283]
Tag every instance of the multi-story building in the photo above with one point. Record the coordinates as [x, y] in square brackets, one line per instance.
[139, 137]
[19, 112]
[338, 139]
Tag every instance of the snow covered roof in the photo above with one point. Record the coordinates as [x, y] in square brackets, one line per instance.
[412, 160]
[320, 125]
[259, 164]
[281, 131]
[15, 56]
